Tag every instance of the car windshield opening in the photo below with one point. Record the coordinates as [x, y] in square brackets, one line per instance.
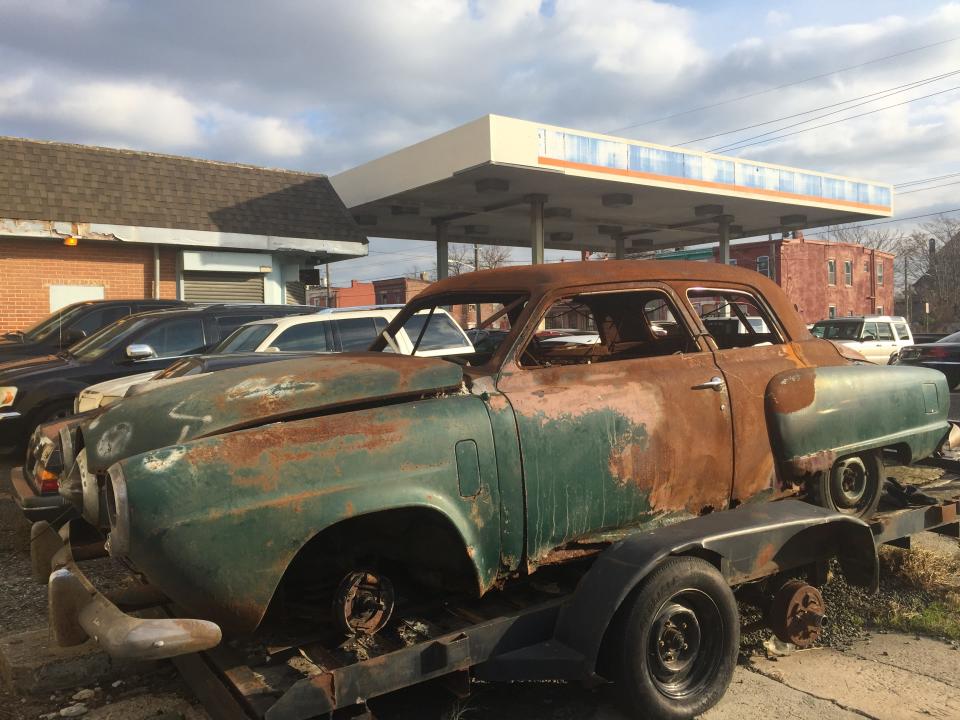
[104, 340]
[245, 339]
[837, 330]
[954, 338]
[52, 323]
[448, 328]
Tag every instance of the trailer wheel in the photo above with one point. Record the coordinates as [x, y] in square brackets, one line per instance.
[853, 486]
[679, 643]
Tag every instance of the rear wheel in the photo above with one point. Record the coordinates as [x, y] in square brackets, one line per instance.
[852, 486]
[679, 642]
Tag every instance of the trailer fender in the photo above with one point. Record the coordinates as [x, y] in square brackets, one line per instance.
[746, 544]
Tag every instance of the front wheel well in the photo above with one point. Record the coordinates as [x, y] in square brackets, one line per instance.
[413, 546]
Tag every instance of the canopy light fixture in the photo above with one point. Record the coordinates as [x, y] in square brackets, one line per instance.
[557, 212]
[793, 222]
[610, 229]
[641, 243]
[404, 210]
[701, 211]
[561, 237]
[617, 199]
[491, 185]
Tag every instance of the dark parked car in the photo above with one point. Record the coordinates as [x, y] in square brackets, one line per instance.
[942, 355]
[39, 390]
[52, 447]
[72, 324]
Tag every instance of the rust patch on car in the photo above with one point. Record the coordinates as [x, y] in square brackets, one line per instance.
[793, 392]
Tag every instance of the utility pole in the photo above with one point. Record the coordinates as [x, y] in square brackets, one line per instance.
[906, 289]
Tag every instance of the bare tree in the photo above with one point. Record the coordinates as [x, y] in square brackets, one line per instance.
[460, 258]
[938, 272]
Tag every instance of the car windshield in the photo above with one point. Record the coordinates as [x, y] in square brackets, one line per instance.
[429, 329]
[955, 338]
[106, 339]
[53, 322]
[846, 330]
[245, 339]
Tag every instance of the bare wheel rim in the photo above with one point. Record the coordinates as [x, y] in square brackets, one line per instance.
[849, 483]
[686, 644]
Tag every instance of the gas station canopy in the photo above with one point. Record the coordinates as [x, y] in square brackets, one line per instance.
[503, 181]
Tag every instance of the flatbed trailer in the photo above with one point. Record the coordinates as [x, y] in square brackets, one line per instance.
[506, 635]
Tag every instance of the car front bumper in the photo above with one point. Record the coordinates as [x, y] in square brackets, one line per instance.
[51, 507]
[78, 611]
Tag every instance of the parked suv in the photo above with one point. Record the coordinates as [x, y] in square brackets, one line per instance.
[878, 338]
[71, 324]
[43, 389]
[329, 330]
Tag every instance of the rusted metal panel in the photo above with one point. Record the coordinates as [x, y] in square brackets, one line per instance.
[817, 415]
[251, 499]
[241, 397]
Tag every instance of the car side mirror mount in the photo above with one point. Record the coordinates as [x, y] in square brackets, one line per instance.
[140, 351]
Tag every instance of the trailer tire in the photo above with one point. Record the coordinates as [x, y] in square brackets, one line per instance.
[677, 646]
[853, 485]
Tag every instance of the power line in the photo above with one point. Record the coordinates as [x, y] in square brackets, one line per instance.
[785, 85]
[926, 180]
[891, 91]
[932, 187]
[740, 144]
[886, 222]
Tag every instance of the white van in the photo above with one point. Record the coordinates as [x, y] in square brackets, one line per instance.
[329, 330]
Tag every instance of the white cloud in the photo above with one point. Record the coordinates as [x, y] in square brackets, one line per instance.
[778, 18]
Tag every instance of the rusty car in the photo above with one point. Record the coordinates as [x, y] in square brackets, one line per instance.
[347, 480]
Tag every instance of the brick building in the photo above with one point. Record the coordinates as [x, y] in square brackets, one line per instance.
[823, 279]
[356, 295]
[81, 223]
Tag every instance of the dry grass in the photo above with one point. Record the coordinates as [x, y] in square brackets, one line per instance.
[919, 569]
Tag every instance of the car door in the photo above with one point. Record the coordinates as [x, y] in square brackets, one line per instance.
[871, 346]
[632, 429]
[748, 360]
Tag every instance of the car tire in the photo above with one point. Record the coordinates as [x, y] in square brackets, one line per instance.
[853, 485]
[677, 643]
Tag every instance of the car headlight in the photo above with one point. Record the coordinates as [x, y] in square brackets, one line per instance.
[7, 395]
[118, 512]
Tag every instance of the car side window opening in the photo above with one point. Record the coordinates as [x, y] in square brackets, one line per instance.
[171, 338]
[97, 319]
[870, 331]
[840, 330]
[734, 318]
[884, 332]
[356, 333]
[440, 332]
[311, 336]
[605, 327]
[902, 332]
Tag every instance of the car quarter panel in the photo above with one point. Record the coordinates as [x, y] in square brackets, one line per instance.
[249, 500]
[820, 414]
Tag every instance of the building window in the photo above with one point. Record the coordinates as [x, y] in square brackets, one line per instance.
[849, 313]
[880, 273]
[879, 309]
[831, 272]
[832, 311]
[848, 272]
[866, 266]
[763, 265]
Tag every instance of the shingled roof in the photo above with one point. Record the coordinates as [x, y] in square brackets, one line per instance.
[78, 183]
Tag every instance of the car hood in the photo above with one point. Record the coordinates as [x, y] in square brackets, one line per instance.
[246, 397]
[13, 370]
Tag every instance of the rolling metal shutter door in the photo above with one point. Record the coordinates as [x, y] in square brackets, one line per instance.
[296, 293]
[219, 287]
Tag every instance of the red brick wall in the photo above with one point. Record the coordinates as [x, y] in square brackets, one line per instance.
[29, 266]
[804, 279]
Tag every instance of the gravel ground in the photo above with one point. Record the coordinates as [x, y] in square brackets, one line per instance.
[23, 605]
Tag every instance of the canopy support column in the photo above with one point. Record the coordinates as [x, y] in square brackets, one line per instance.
[621, 245]
[537, 202]
[443, 251]
[723, 228]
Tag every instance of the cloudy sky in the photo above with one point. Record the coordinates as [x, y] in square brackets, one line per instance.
[321, 85]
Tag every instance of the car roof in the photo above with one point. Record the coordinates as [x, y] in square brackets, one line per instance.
[387, 312]
[224, 309]
[868, 318]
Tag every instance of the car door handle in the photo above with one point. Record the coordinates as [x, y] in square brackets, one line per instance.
[714, 383]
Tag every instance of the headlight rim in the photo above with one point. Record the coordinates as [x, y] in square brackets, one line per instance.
[118, 511]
